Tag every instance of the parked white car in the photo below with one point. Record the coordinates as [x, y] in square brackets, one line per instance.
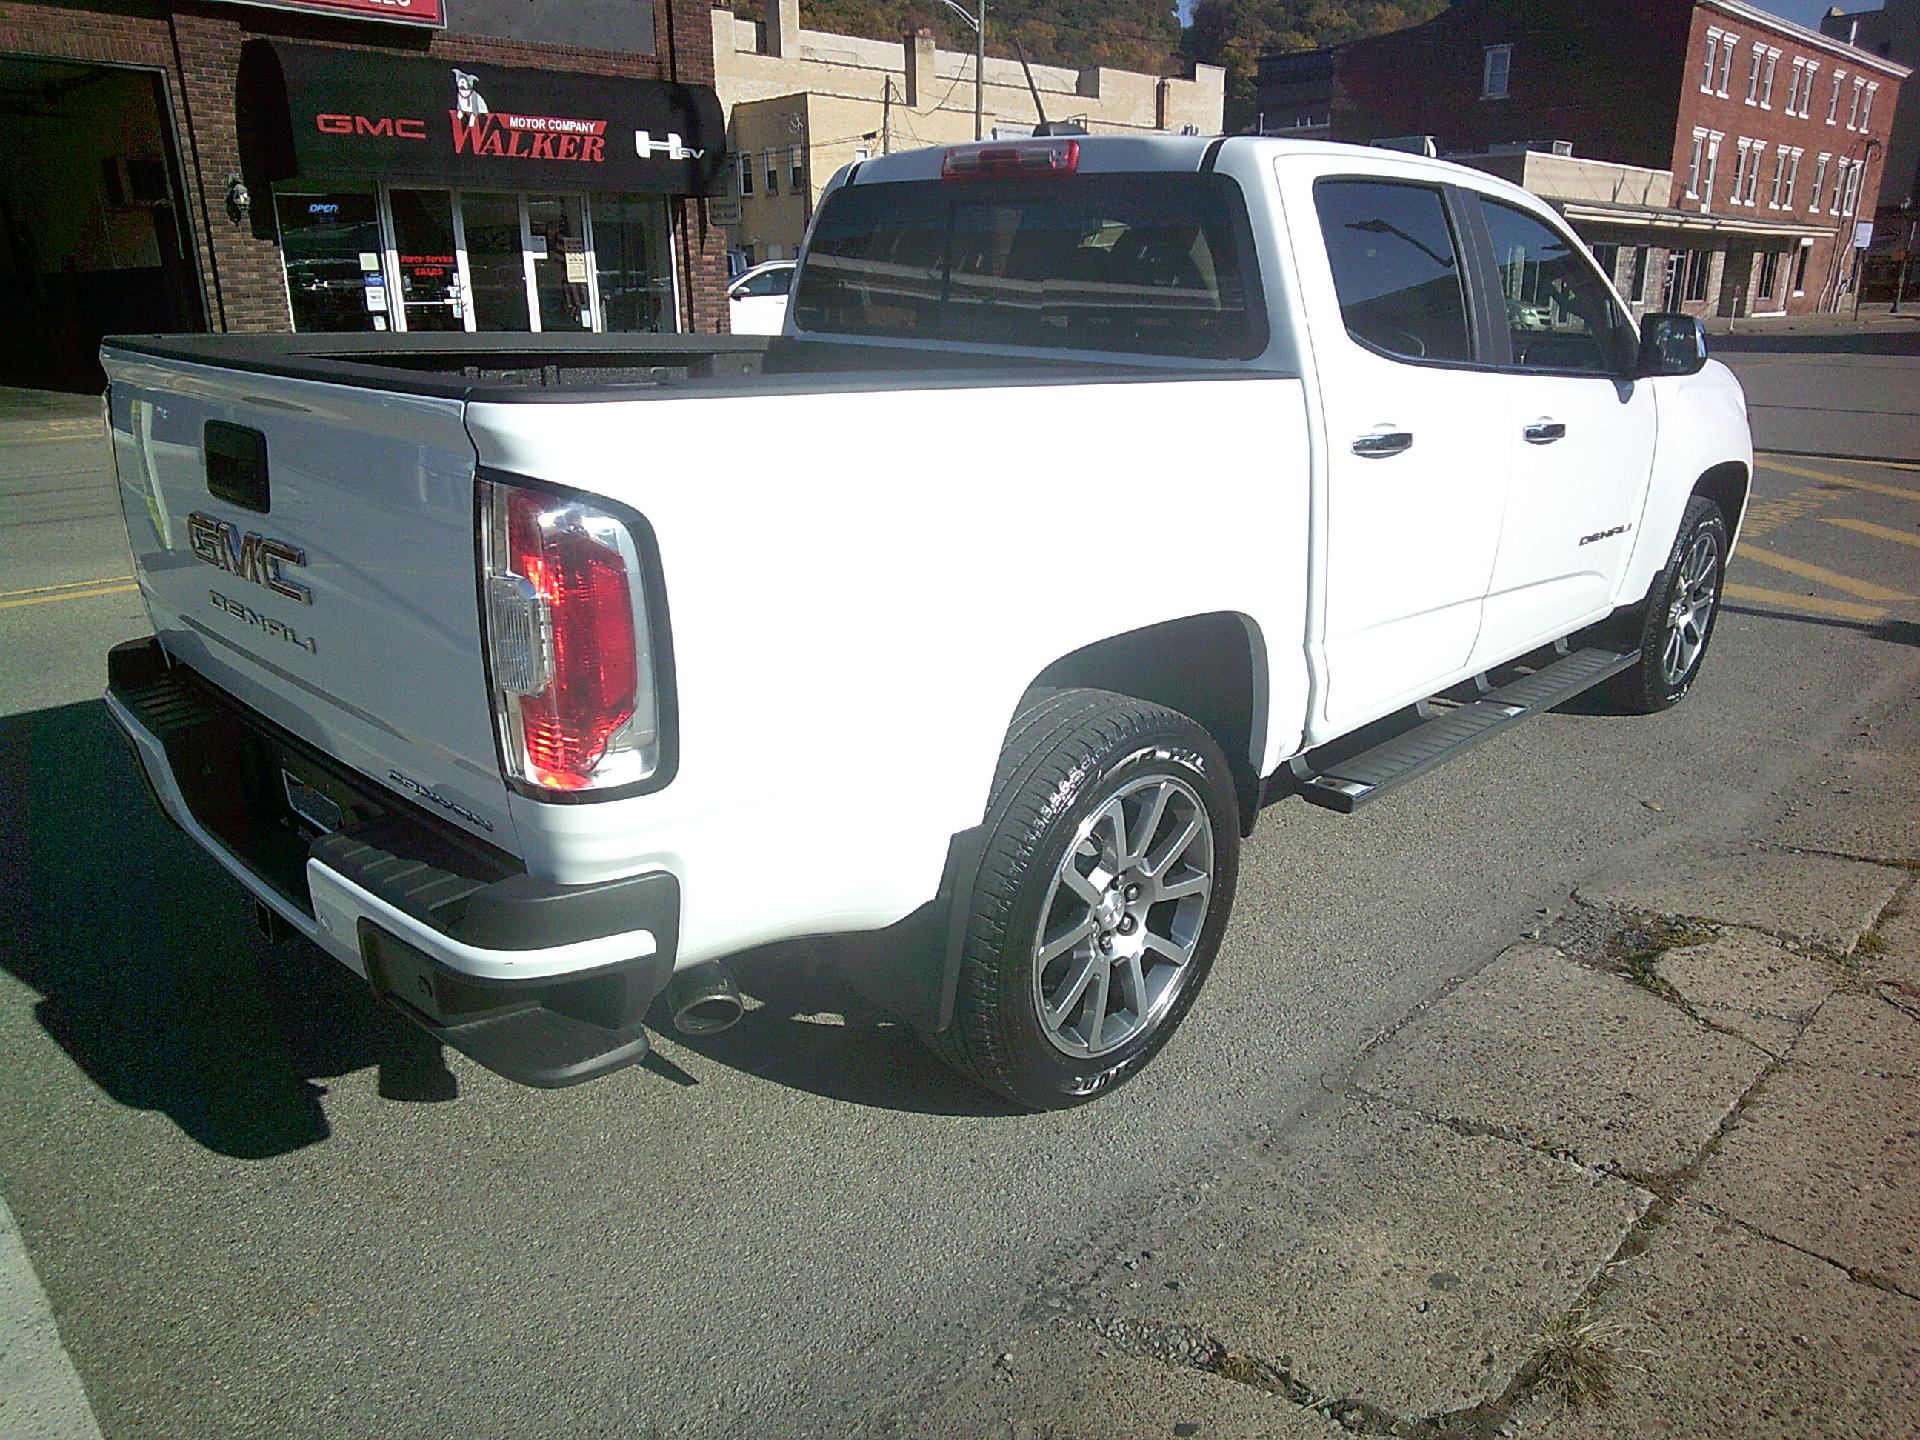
[757, 300]
[1098, 493]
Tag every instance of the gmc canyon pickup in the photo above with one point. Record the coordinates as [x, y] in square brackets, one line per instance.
[1098, 492]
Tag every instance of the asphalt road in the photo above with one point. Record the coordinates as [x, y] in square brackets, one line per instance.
[254, 1216]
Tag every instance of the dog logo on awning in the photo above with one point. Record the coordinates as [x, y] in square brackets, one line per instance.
[467, 100]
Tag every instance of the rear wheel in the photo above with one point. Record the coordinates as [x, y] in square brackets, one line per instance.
[1102, 896]
[1676, 623]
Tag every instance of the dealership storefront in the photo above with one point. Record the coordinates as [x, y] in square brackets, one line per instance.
[355, 165]
[411, 195]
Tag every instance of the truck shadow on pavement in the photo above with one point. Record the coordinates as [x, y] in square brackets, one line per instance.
[150, 975]
[814, 1029]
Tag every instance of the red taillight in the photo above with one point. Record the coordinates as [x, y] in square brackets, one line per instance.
[999, 162]
[572, 675]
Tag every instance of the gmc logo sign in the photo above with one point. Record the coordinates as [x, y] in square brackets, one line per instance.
[389, 127]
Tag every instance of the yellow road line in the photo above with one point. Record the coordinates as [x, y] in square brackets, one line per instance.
[1867, 527]
[1820, 575]
[1812, 604]
[1896, 491]
[67, 595]
[1850, 460]
[65, 585]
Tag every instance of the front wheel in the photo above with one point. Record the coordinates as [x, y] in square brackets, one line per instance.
[1678, 618]
[1108, 874]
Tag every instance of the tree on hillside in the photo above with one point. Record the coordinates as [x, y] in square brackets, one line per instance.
[1236, 33]
[1125, 34]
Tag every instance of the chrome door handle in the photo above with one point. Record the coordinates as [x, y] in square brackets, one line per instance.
[1383, 442]
[1544, 432]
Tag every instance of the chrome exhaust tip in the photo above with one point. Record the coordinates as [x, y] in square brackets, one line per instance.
[703, 1000]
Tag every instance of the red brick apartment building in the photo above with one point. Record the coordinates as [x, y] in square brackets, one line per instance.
[1775, 136]
[353, 165]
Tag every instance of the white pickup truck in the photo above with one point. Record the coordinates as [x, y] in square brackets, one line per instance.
[1098, 492]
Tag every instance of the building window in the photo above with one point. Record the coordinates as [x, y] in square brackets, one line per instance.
[1753, 74]
[1766, 80]
[326, 242]
[1769, 275]
[1779, 180]
[1699, 264]
[633, 263]
[1800, 268]
[1794, 82]
[1728, 44]
[1806, 91]
[1637, 285]
[1494, 71]
[1855, 173]
[1714, 37]
[796, 169]
[1694, 164]
[772, 159]
[1853, 107]
[1714, 137]
[744, 163]
[1740, 173]
[1819, 181]
[1833, 100]
[1752, 194]
[1793, 178]
[1866, 109]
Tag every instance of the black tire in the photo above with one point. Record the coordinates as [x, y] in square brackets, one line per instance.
[1656, 683]
[1072, 756]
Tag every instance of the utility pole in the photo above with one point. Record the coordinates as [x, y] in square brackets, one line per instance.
[979, 23]
[886, 118]
[980, 73]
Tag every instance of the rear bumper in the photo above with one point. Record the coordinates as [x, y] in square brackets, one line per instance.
[545, 984]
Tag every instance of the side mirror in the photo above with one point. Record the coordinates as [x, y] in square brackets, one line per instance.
[1671, 344]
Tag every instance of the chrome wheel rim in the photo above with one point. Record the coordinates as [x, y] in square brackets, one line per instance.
[1691, 607]
[1122, 917]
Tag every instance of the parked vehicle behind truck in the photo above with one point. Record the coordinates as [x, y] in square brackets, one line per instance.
[1098, 492]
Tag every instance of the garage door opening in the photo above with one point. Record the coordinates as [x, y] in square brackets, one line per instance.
[94, 239]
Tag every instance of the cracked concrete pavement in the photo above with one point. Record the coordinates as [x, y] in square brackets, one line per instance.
[1685, 1111]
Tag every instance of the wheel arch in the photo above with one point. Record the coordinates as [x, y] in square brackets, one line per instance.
[1728, 485]
[1211, 668]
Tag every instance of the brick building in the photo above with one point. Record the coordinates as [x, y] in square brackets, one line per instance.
[1768, 139]
[353, 165]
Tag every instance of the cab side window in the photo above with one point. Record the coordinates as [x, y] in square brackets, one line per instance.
[1396, 268]
[1557, 307]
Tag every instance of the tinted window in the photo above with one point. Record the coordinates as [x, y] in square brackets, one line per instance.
[1140, 264]
[769, 283]
[1559, 311]
[1395, 267]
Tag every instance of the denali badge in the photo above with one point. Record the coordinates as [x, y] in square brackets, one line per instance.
[434, 797]
[1605, 534]
[250, 556]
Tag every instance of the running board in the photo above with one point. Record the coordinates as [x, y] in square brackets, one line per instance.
[1345, 785]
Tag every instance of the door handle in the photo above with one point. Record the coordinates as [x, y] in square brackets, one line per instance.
[1544, 432]
[1383, 442]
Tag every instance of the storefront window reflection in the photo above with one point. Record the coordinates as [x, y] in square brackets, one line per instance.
[634, 262]
[331, 243]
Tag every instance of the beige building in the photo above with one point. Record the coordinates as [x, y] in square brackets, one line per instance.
[802, 103]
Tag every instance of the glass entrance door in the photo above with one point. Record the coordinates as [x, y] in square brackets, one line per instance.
[496, 260]
[428, 259]
[557, 246]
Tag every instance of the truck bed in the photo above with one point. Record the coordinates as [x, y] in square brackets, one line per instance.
[484, 367]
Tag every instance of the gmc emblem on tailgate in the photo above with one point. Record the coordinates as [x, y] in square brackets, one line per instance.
[250, 556]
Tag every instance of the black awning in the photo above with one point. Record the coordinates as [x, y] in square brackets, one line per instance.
[321, 113]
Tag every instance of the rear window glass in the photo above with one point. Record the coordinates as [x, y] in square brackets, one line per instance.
[1140, 264]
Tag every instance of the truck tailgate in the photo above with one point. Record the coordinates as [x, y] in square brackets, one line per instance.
[310, 548]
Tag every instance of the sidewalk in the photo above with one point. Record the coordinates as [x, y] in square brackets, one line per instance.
[1655, 1171]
